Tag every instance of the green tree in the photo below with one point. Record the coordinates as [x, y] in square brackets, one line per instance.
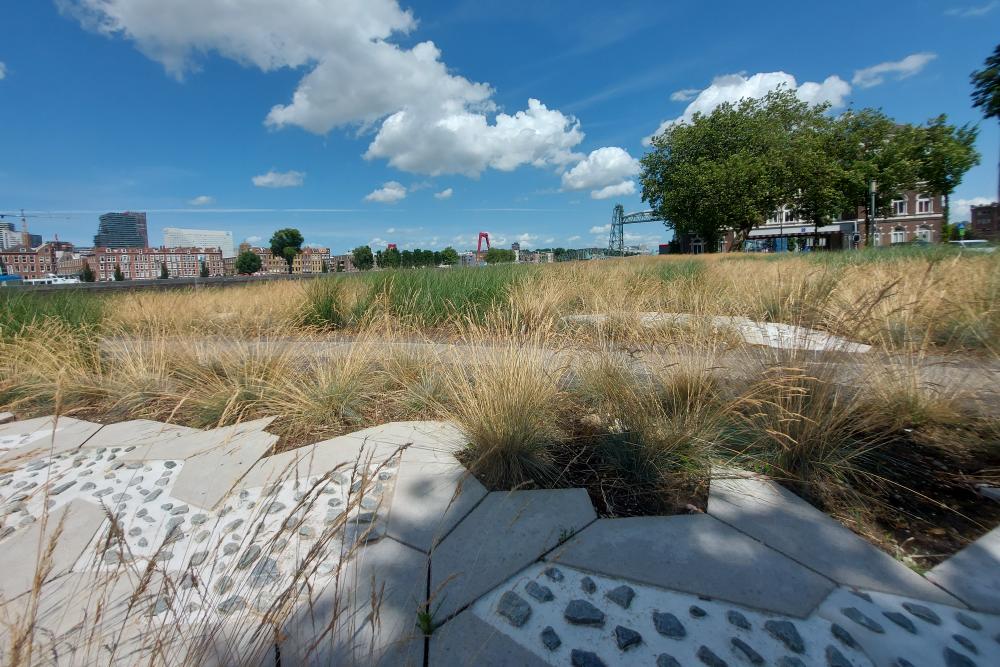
[944, 154]
[406, 259]
[118, 275]
[873, 148]
[326, 266]
[247, 263]
[203, 273]
[391, 259]
[449, 256]
[499, 256]
[164, 274]
[87, 275]
[727, 170]
[986, 93]
[363, 258]
[287, 243]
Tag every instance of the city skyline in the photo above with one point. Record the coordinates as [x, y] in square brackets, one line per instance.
[218, 132]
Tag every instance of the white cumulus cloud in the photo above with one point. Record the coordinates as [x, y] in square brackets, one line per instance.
[389, 193]
[899, 69]
[622, 189]
[960, 207]
[606, 172]
[426, 119]
[3, 71]
[444, 194]
[973, 11]
[600, 229]
[736, 87]
[278, 179]
[684, 95]
[575, 237]
[201, 200]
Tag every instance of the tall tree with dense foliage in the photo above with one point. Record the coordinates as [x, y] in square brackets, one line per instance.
[248, 263]
[391, 259]
[164, 273]
[871, 147]
[87, 275]
[986, 93]
[499, 256]
[944, 154]
[287, 243]
[363, 258]
[203, 273]
[726, 170]
[449, 256]
[118, 275]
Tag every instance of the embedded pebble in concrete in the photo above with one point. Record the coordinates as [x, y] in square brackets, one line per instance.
[514, 608]
[581, 612]
[587, 585]
[585, 659]
[746, 651]
[737, 619]
[621, 596]
[550, 639]
[787, 633]
[864, 621]
[539, 592]
[627, 638]
[668, 625]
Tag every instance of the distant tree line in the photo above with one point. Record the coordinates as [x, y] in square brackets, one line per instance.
[733, 168]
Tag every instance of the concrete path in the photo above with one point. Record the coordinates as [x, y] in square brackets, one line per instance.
[174, 546]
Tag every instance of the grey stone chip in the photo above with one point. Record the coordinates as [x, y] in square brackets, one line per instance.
[581, 612]
[834, 658]
[747, 651]
[922, 612]
[707, 657]
[858, 617]
[550, 639]
[787, 634]
[738, 619]
[621, 596]
[514, 608]
[668, 625]
[539, 592]
[626, 638]
[580, 658]
[587, 585]
[901, 620]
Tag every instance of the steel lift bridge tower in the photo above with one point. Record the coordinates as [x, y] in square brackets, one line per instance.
[619, 218]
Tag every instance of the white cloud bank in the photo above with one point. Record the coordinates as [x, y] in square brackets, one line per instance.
[735, 87]
[444, 194]
[960, 207]
[900, 69]
[606, 172]
[277, 179]
[973, 11]
[426, 119]
[201, 200]
[389, 193]
[684, 95]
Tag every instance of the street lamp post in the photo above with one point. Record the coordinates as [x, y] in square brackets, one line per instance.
[872, 190]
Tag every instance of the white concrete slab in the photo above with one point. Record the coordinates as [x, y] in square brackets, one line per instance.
[206, 479]
[7, 417]
[973, 574]
[430, 498]
[63, 535]
[505, 533]
[44, 436]
[196, 443]
[780, 519]
[696, 554]
[137, 432]
[468, 640]
[366, 616]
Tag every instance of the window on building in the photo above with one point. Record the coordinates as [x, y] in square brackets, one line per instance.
[899, 235]
[899, 207]
[924, 204]
[925, 234]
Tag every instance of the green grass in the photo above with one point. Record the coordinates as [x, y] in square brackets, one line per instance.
[686, 269]
[19, 309]
[423, 297]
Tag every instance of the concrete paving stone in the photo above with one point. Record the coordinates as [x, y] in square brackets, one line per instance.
[21, 553]
[973, 574]
[136, 432]
[206, 479]
[340, 453]
[699, 555]
[430, 499]
[467, 640]
[896, 644]
[194, 444]
[392, 572]
[25, 440]
[780, 519]
[7, 417]
[505, 533]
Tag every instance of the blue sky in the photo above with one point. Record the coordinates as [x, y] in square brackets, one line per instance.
[423, 123]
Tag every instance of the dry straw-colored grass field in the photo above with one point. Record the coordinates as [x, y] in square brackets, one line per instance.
[892, 442]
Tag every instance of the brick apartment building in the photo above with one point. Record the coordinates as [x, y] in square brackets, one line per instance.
[310, 260]
[984, 222]
[913, 216]
[145, 263]
[30, 262]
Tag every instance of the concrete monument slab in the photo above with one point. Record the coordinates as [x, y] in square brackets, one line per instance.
[505, 533]
[696, 554]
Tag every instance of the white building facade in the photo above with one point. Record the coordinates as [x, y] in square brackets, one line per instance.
[175, 237]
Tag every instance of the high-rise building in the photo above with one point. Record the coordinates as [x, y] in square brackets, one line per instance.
[122, 230]
[174, 237]
[9, 236]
